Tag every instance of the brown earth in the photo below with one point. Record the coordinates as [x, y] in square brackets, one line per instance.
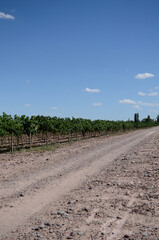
[101, 188]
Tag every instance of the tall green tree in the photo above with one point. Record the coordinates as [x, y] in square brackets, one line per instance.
[136, 117]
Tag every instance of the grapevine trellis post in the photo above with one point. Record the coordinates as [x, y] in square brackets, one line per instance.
[30, 140]
[12, 144]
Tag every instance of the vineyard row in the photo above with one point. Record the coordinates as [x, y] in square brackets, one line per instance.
[27, 132]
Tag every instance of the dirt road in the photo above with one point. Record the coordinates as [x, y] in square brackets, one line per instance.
[101, 188]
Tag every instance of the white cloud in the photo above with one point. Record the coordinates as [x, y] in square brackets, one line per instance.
[27, 105]
[28, 81]
[153, 94]
[92, 90]
[97, 104]
[144, 75]
[148, 104]
[127, 101]
[6, 16]
[53, 108]
[137, 107]
[141, 93]
[152, 89]
[138, 103]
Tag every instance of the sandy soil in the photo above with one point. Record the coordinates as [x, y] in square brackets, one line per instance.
[101, 188]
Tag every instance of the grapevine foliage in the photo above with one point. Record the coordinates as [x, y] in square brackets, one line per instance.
[19, 125]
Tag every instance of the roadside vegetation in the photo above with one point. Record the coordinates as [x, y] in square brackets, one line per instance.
[27, 132]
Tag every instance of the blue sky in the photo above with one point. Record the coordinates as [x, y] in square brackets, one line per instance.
[96, 59]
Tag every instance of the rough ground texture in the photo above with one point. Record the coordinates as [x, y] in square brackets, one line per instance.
[101, 188]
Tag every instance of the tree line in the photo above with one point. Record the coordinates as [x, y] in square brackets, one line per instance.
[17, 126]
